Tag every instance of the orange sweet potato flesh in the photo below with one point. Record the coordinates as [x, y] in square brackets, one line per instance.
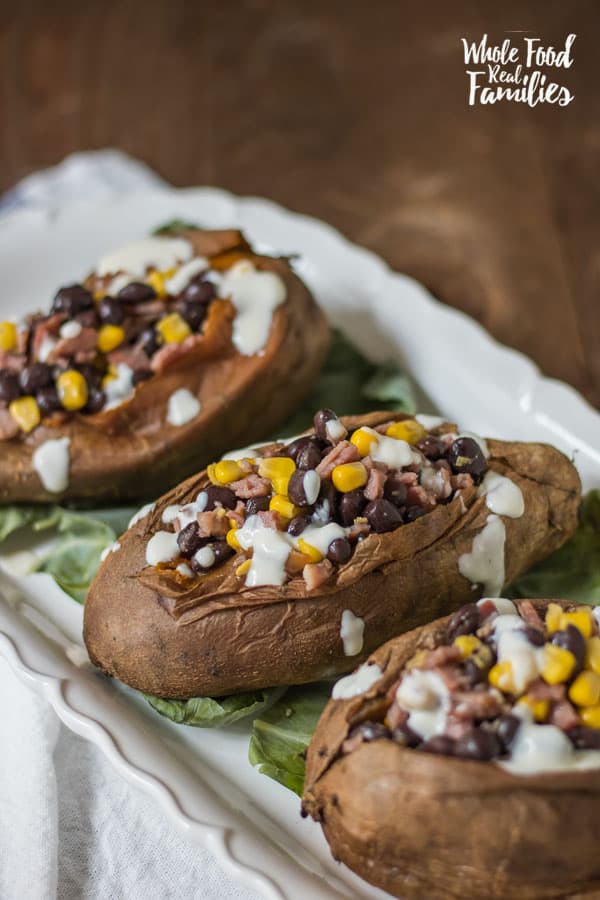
[149, 628]
[420, 825]
[132, 451]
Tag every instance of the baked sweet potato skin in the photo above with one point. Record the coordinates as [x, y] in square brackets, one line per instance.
[132, 452]
[420, 825]
[219, 637]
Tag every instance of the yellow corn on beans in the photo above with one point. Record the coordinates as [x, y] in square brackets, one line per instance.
[283, 506]
[467, 644]
[417, 660]
[278, 470]
[363, 440]
[110, 337]
[558, 664]
[157, 279]
[173, 329]
[410, 431]
[592, 655]
[232, 540]
[590, 716]
[501, 676]
[72, 389]
[581, 618]
[8, 336]
[553, 617]
[243, 568]
[225, 471]
[349, 476]
[539, 708]
[25, 412]
[585, 690]
[313, 553]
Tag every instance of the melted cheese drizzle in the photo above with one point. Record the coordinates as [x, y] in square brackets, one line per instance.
[426, 698]
[393, 452]
[357, 682]
[485, 563]
[119, 389]
[544, 748]
[151, 253]
[430, 422]
[182, 407]
[141, 514]
[255, 295]
[502, 496]
[51, 461]
[184, 275]
[352, 629]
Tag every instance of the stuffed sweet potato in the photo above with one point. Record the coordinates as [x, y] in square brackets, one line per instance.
[290, 563]
[464, 759]
[170, 351]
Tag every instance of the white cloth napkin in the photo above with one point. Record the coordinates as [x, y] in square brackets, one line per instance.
[70, 827]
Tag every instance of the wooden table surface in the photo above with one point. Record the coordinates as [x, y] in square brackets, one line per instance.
[352, 111]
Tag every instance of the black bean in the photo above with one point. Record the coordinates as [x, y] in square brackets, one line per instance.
[296, 446]
[194, 314]
[189, 540]
[535, 636]
[89, 318]
[414, 512]
[440, 744]
[370, 731]
[339, 551]
[571, 639]
[309, 457]
[382, 515]
[222, 551]
[296, 491]
[92, 375]
[327, 501]
[473, 673]
[506, 729]
[585, 738]
[432, 447]
[47, 400]
[136, 292]
[350, 506]
[198, 292]
[465, 456]
[256, 504]
[34, 377]
[395, 491]
[9, 386]
[404, 735]
[217, 494]
[72, 299]
[465, 620]
[320, 420]
[111, 311]
[140, 375]
[96, 400]
[478, 743]
[149, 341]
[297, 525]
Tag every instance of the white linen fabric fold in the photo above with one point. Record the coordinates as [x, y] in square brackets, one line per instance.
[70, 826]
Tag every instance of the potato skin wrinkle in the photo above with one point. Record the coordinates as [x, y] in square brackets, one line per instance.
[131, 451]
[383, 808]
[217, 637]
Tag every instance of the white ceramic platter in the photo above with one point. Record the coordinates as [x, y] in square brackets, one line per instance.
[202, 778]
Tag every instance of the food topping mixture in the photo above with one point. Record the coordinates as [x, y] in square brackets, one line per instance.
[120, 327]
[302, 508]
[509, 684]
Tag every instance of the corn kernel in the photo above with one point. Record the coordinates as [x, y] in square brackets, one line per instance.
[156, 280]
[243, 568]
[283, 506]
[25, 412]
[110, 337]
[553, 617]
[581, 618]
[558, 664]
[501, 676]
[363, 440]
[8, 336]
[410, 431]
[585, 690]
[313, 553]
[417, 660]
[590, 716]
[592, 655]
[226, 471]
[467, 644]
[173, 329]
[72, 389]
[539, 708]
[278, 470]
[349, 476]
[232, 540]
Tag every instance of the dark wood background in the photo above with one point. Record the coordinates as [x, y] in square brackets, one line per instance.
[352, 111]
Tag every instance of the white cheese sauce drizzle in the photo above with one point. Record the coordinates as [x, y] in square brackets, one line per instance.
[357, 682]
[70, 329]
[182, 407]
[255, 295]
[150, 253]
[352, 629]
[544, 748]
[424, 695]
[502, 496]
[162, 548]
[108, 550]
[51, 460]
[430, 422]
[119, 389]
[205, 557]
[141, 514]
[46, 347]
[184, 275]
[485, 563]
[393, 452]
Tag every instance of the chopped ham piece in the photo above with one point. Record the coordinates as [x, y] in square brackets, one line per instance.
[8, 427]
[358, 528]
[13, 362]
[459, 482]
[270, 518]
[251, 486]
[441, 656]
[342, 453]
[476, 705]
[530, 615]
[82, 348]
[47, 328]
[316, 574]
[238, 514]
[540, 690]
[457, 727]
[416, 495]
[563, 715]
[436, 482]
[375, 484]
[213, 523]
[134, 357]
[396, 715]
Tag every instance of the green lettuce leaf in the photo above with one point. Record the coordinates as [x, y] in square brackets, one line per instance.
[210, 712]
[573, 572]
[281, 735]
[176, 225]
